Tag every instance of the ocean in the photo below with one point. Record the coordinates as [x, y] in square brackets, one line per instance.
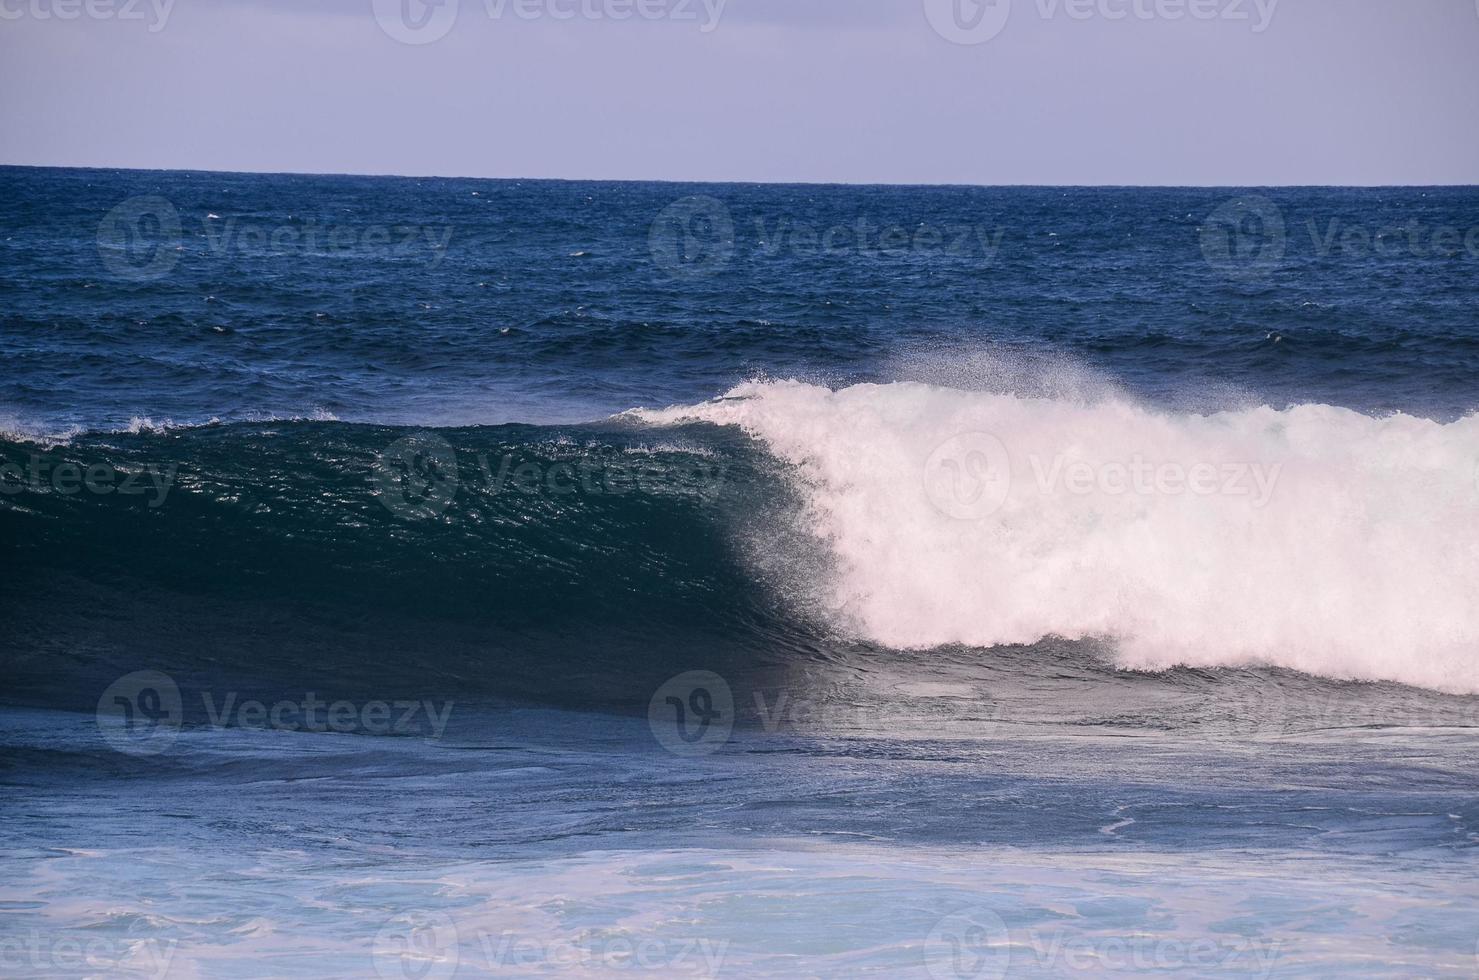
[449, 577]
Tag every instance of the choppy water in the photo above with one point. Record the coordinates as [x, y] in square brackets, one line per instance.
[455, 576]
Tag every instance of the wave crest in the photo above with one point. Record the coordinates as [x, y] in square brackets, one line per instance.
[1314, 538]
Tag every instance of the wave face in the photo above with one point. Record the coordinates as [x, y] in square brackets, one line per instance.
[1313, 538]
[563, 564]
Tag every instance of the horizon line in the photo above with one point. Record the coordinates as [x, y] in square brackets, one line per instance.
[743, 182]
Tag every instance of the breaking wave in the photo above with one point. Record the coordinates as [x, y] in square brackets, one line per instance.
[1314, 538]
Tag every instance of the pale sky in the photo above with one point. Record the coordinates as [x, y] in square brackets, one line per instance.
[1224, 92]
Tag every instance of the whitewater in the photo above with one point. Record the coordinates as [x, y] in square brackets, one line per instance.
[1315, 537]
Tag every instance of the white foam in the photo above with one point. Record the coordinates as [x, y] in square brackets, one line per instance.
[1349, 549]
[14, 429]
[138, 425]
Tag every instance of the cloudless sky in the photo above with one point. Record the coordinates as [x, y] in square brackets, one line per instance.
[1328, 92]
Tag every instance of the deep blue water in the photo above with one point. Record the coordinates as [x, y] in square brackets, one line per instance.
[422, 301]
[735, 673]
